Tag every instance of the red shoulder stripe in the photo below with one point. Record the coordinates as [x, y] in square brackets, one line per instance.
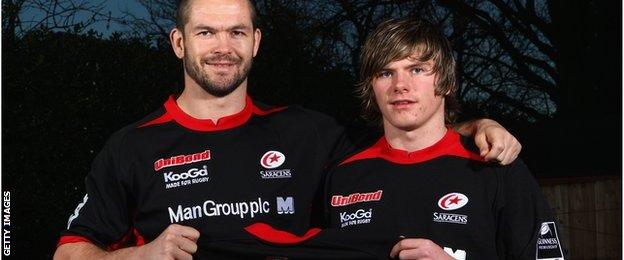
[258, 111]
[166, 117]
[370, 153]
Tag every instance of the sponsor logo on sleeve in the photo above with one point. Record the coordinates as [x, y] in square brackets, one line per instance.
[181, 160]
[271, 160]
[548, 244]
[77, 210]
[358, 217]
[340, 200]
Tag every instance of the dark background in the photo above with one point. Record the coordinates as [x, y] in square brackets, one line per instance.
[549, 71]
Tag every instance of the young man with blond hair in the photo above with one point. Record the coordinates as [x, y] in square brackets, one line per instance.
[422, 191]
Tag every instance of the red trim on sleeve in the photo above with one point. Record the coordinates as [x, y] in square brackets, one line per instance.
[449, 145]
[72, 239]
[166, 117]
[140, 240]
[132, 238]
[269, 234]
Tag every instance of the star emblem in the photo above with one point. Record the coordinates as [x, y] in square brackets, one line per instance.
[274, 158]
[454, 200]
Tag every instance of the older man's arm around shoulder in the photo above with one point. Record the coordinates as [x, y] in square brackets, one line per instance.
[495, 143]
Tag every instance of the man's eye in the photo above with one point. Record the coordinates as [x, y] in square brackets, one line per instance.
[238, 33]
[417, 70]
[205, 33]
[384, 74]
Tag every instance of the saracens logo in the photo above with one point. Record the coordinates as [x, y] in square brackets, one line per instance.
[452, 201]
[272, 159]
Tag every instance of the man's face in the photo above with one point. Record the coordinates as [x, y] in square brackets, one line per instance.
[405, 93]
[219, 44]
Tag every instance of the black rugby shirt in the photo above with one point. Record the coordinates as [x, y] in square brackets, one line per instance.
[444, 193]
[262, 165]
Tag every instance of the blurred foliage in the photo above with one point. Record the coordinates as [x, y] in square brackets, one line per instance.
[63, 94]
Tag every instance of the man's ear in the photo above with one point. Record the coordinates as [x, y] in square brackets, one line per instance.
[257, 37]
[176, 37]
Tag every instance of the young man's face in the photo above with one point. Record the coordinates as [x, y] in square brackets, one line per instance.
[219, 44]
[405, 94]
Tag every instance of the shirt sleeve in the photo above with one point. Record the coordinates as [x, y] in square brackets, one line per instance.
[102, 217]
[526, 228]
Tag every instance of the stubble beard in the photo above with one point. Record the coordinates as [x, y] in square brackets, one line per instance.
[222, 87]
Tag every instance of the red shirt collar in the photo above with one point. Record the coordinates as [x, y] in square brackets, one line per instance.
[450, 144]
[223, 123]
[437, 149]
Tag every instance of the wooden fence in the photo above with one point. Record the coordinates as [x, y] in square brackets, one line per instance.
[589, 213]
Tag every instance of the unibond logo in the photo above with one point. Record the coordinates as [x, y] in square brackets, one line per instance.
[181, 160]
[339, 200]
[191, 173]
[358, 217]
[452, 201]
[272, 159]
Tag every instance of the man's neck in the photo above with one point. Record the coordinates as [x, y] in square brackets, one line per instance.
[196, 102]
[414, 139]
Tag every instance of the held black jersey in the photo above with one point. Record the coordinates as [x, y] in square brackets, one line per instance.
[257, 166]
[444, 193]
[261, 241]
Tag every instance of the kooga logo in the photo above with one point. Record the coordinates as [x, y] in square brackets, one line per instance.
[359, 214]
[358, 217]
[191, 173]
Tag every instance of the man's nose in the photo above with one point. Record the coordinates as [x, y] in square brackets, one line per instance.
[224, 45]
[401, 84]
